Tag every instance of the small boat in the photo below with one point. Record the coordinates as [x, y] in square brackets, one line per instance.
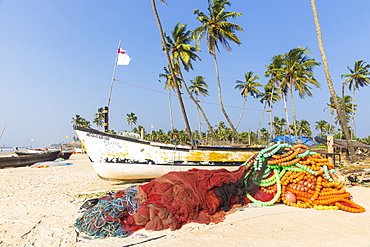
[65, 154]
[125, 158]
[27, 160]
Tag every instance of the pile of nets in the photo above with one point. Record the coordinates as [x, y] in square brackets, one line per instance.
[293, 175]
[297, 177]
[112, 215]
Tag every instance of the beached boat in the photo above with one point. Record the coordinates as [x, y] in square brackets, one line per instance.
[125, 158]
[65, 154]
[27, 160]
[129, 158]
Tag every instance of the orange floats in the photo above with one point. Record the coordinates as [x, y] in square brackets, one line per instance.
[306, 179]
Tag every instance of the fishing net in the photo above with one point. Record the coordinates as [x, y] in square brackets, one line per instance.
[178, 198]
[169, 201]
[112, 215]
[293, 175]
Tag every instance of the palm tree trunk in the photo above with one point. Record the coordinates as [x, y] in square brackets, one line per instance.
[294, 113]
[198, 113]
[353, 112]
[198, 105]
[330, 82]
[241, 113]
[271, 127]
[173, 74]
[170, 106]
[259, 123]
[272, 94]
[236, 135]
[343, 107]
[286, 111]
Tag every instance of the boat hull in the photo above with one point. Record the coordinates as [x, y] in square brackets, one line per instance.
[119, 171]
[124, 158]
[27, 160]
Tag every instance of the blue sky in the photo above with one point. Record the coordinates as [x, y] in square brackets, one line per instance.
[57, 58]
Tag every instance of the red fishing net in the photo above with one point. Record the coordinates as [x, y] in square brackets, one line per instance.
[178, 198]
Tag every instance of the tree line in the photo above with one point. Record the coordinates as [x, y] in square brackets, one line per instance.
[288, 73]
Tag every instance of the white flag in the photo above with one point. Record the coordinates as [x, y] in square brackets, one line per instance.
[123, 58]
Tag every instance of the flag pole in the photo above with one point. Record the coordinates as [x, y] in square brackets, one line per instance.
[106, 109]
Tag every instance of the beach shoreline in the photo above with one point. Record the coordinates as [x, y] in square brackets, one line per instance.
[40, 205]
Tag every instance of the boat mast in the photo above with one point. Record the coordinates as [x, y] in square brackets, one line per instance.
[106, 109]
[2, 132]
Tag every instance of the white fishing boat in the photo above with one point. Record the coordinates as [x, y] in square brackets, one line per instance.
[124, 158]
[127, 158]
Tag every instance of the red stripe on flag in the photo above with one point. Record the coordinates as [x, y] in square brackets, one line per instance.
[121, 51]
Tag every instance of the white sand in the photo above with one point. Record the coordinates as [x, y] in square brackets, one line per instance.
[38, 207]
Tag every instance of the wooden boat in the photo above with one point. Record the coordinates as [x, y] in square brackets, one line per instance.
[27, 160]
[124, 158]
[65, 154]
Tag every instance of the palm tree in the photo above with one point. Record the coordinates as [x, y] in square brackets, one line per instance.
[218, 30]
[182, 53]
[359, 77]
[273, 71]
[170, 65]
[296, 73]
[80, 121]
[248, 87]
[278, 125]
[199, 87]
[131, 119]
[303, 128]
[99, 117]
[265, 135]
[345, 104]
[329, 80]
[223, 133]
[269, 97]
[169, 85]
[323, 127]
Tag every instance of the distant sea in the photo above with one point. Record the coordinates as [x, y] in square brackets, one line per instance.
[11, 149]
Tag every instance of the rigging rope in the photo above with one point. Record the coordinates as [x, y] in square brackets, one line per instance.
[206, 102]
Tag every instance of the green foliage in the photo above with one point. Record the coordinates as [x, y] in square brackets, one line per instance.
[99, 117]
[80, 121]
[365, 140]
[131, 119]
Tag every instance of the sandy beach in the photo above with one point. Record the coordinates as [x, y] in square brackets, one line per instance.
[39, 206]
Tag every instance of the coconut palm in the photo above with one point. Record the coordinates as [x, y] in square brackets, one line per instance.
[199, 87]
[296, 73]
[131, 119]
[182, 54]
[273, 71]
[345, 104]
[99, 117]
[329, 80]
[223, 132]
[359, 77]
[278, 125]
[248, 87]
[218, 30]
[80, 121]
[269, 97]
[170, 65]
[265, 135]
[322, 126]
[303, 128]
[169, 85]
